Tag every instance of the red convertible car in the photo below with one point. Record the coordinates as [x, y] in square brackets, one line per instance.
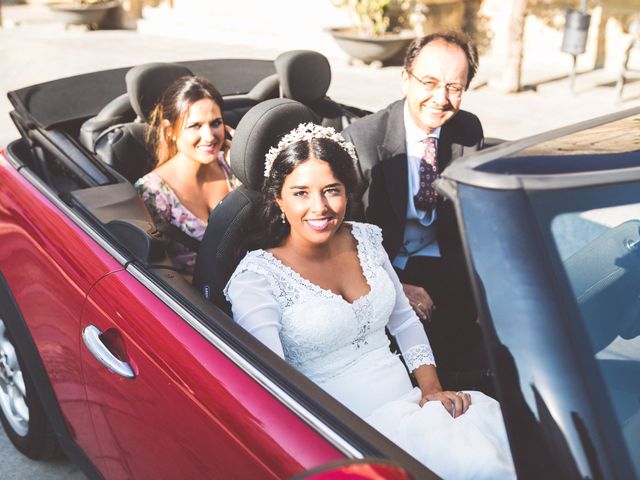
[110, 356]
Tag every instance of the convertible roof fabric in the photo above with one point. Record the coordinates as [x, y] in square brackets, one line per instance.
[81, 96]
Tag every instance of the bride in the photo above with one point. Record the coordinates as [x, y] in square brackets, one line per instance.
[320, 291]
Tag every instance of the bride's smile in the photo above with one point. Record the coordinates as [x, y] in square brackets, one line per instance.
[319, 224]
[313, 201]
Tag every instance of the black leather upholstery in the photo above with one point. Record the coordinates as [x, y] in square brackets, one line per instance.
[259, 129]
[115, 112]
[305, 76]
[123, 147]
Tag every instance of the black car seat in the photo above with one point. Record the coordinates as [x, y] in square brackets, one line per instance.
[115, 112]
[123, 145]
[259, 129]
[305, 76]
[236, 106]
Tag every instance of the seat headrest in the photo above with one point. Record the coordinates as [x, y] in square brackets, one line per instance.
[305, 75]
[260, 129]
[146, 84]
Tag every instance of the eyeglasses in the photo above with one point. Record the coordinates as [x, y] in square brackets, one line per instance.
[454, 90]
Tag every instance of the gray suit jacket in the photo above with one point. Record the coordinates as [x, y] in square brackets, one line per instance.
[381, 146]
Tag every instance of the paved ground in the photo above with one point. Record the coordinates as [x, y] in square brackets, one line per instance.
[14, 466]
[35, 49]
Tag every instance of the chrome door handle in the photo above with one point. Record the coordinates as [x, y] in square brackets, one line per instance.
[91, 336]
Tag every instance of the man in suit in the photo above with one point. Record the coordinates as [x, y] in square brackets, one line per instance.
[401, 150]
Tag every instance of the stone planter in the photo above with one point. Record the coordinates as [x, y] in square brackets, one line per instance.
[371, 49]
[90, 15]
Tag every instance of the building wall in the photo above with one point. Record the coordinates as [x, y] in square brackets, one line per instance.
[544, 28]
[273, 23]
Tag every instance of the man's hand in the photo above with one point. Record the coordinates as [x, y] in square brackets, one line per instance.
[419, 300]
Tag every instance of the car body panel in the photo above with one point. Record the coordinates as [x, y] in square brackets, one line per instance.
[208, 407]
[49, 282]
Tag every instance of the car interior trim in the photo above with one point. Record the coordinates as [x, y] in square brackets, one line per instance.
[505, 149]
[247, 367]
[469, 169]
[497, 181]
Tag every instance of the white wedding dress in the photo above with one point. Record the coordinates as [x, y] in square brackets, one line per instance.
[343, 347]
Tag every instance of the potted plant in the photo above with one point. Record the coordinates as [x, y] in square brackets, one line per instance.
[82, 12]
[372, 38]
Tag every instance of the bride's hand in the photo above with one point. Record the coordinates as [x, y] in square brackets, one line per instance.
[456, 403]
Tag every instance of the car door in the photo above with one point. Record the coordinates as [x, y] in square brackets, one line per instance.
[49, 265]
[185, 409]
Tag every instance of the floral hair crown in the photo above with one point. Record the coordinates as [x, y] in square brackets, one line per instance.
[307, 131]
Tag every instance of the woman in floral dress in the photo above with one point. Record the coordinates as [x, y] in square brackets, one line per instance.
[192, 172]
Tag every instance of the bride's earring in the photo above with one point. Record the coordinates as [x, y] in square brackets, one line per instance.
[283, 218]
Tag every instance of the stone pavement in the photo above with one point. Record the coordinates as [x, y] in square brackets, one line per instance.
[33, 49]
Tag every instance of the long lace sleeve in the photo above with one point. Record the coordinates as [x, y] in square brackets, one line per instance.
[255, 308]
[405, 326]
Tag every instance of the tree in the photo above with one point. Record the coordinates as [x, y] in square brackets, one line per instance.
[510, 79]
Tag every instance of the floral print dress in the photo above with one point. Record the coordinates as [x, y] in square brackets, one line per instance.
[164, 205]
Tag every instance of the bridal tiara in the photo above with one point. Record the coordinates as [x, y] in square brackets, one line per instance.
[307, 131]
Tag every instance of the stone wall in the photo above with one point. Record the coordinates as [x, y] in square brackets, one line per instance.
[608, 30]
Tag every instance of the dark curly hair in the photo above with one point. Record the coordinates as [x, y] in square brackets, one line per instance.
[268, 231]
[453, 38]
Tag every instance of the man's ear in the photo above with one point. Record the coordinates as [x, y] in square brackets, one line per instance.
[406, 79]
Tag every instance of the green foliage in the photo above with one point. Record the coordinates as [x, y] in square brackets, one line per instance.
[371, 17]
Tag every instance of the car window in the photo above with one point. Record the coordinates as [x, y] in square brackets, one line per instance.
[596, 232]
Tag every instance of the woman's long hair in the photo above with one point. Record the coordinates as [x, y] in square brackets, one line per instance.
[269, 231]
[171, 111]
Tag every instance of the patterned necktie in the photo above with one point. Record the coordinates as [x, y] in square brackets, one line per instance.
[425, 199]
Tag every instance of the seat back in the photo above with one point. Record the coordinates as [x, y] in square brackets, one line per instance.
[236, 106]
[305, 76]
[258, 130]
[115, 112]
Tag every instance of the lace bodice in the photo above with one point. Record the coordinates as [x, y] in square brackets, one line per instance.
[318, 331]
